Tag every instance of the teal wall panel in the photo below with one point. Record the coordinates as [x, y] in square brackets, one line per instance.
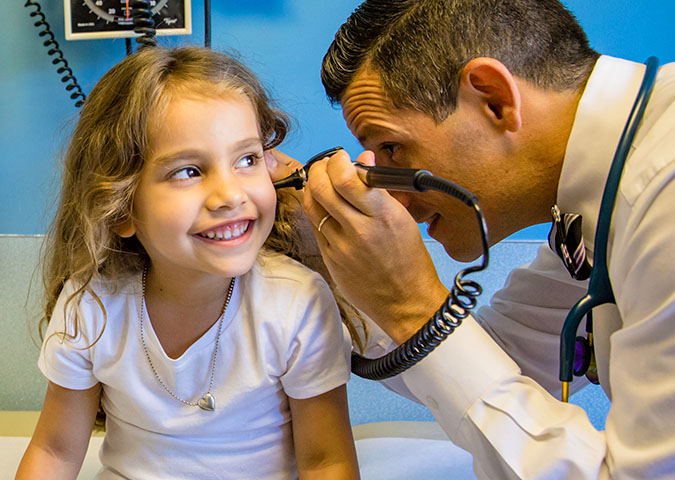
[282, 40]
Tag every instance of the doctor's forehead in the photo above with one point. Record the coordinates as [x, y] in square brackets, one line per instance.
[366, 106]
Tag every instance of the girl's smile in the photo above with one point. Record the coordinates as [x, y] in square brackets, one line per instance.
[227, 232]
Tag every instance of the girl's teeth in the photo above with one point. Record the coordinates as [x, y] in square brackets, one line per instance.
[227, 233]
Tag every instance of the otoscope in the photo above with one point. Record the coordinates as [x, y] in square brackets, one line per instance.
[463, 294]
[298, 179]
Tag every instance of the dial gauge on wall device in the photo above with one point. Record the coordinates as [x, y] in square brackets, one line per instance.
[86, 19]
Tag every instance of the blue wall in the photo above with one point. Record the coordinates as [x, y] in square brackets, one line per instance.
[282, 40]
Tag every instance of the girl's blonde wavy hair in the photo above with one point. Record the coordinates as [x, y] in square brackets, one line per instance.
[107, 153]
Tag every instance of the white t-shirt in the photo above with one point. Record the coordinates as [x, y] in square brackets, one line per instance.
[281, 336]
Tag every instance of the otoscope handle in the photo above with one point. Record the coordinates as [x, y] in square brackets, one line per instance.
[390, 178]
[411, 180]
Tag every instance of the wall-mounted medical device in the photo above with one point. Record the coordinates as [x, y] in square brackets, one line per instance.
[87, 19]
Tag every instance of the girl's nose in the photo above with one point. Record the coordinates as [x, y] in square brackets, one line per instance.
[224, 191]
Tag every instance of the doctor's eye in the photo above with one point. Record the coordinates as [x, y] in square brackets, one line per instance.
[185, 173]
[390, 148]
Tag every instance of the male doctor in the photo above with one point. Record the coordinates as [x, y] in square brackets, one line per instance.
[506, 98]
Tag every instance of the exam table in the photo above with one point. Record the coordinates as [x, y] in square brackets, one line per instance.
[398, 450]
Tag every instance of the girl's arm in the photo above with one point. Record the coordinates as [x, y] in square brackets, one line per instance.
[62, 434]
[322, 434]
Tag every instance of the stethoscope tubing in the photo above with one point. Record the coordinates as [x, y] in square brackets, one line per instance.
[599, 286]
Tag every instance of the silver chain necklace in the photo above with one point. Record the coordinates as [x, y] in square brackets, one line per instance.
[207, 401]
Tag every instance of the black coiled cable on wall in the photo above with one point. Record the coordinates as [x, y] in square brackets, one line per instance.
[56, 52]
[144, 25]
[457, 306]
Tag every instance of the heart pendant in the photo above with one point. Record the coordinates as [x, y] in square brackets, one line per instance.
[207, 402]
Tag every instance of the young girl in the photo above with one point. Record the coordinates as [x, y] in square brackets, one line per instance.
[169, 301]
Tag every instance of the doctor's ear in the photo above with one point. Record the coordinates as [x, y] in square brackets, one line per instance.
[489, 82]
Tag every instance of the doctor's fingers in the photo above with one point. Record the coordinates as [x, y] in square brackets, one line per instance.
[320, 198]
[334, 188]
[346, 182]
[279, 164]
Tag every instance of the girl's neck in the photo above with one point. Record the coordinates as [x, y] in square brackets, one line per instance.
[182, 308]
[187, 289]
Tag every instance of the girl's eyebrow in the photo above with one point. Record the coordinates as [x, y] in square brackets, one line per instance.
[189, 154]
[169, 158]
[246, 143]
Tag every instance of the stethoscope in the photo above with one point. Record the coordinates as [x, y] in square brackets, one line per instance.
[599, 286]
[462, 298]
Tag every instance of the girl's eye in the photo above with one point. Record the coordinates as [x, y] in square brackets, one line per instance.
[248, 161]
[185, 173]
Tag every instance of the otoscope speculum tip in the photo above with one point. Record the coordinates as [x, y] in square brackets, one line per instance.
[296, 179]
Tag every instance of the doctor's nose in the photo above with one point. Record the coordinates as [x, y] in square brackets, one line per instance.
[224, 192]
[404, 198]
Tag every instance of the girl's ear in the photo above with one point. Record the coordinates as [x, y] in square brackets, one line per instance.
[126, 229]
[492, 85]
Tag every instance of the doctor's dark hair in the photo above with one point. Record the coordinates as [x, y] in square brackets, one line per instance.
[419, 47]
[107, 153]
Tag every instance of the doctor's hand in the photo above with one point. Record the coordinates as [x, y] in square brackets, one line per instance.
[280, 165]
[372, 247]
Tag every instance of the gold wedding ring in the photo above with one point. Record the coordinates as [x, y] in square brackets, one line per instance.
[323, 220]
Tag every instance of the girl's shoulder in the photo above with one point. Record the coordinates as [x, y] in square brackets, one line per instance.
[102, 289]
[276, 266]
[280, 280]
[94, 302]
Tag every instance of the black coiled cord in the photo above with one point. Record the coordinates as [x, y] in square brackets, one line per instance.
[64, 69]
[144, 25]
[457, 306]
[207, 23]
